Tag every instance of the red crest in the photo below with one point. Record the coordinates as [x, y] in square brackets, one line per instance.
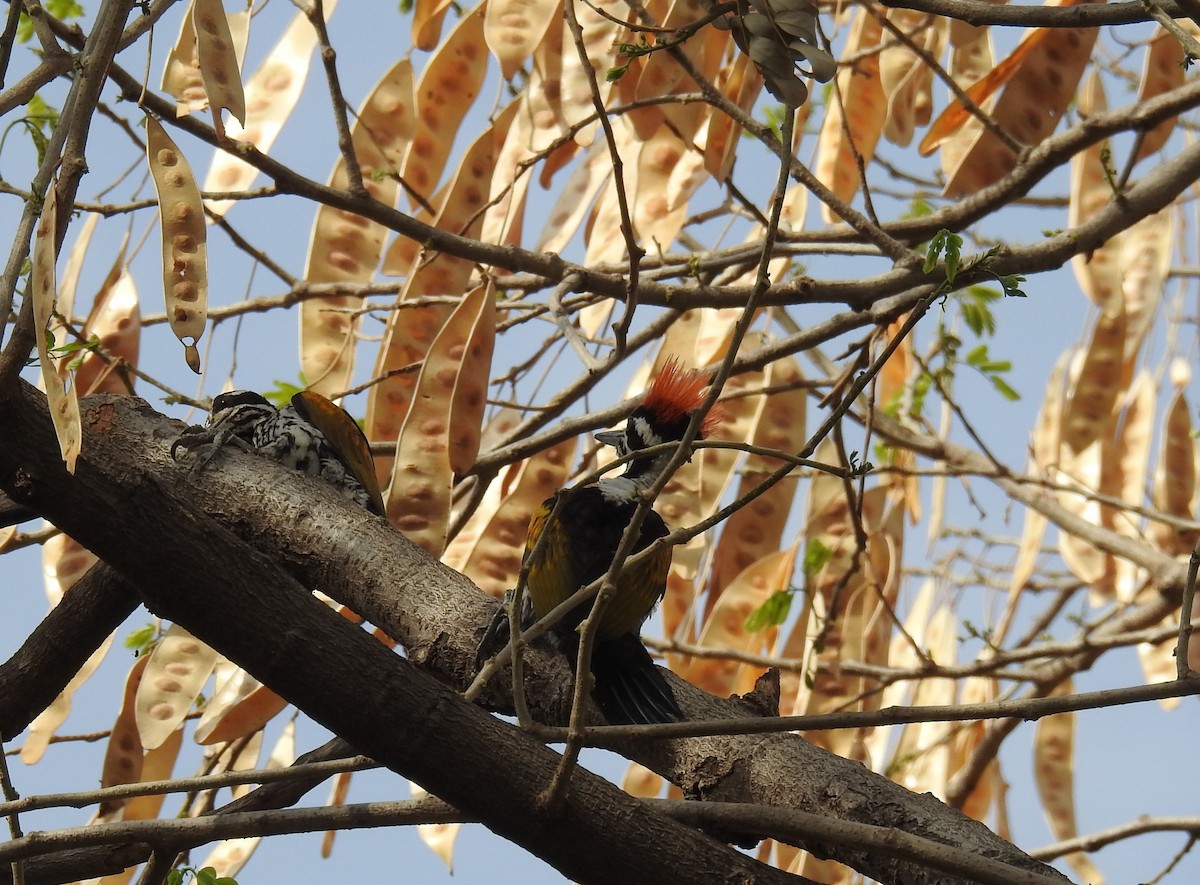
[676, 392]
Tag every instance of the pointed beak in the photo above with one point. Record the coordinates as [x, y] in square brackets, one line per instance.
[611, 438]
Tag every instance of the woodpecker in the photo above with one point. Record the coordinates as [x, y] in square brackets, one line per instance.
[312, 435]
[580, 530]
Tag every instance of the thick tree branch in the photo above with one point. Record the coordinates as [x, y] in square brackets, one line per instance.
[981, 12]
[196, 572]
[33, 677]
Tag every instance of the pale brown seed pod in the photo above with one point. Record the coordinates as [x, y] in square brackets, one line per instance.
[185, 251]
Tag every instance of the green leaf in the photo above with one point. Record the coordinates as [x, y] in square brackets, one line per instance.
[920, 389]
[931, 256]
[1004, 389]
[771, 613]
[816, 556]
[948, 244]
[885, 454]
[281, 394]
[918, 208]
[64, 9]
[1012, 285]
[43, 114]
[141, 638]
[977, 356]
[953, 260]
[175, 877]
[775, 115]
[973, 305]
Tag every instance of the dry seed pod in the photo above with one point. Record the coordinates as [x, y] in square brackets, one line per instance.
[599, 39]
[181, 73]
[337, 798]
[185, 252]
[954, 118]
[977, 690]
[602, 234]
[241, 706]
[724, 625]
[1032, 103]
[504, 216]
[123, 755]
[178, 668]
[42, 729]
[662, 75]
[418, 496]
[1099, 271]
[69, 282]
[157, 765]
[447, 88]
[64, 403]
[741, 83]
[757, 529]
[921, 760]
[1099, 384]
[654, 219]
[116, 320]
[575, 199]
[1054, 772]
[1124, 476]
[345, 247]
[514, 27]
[427, 19]
[1146, 249]
[218, 63]
[471, 386]
[640, 781]
[228, 857]
[271, 95]
[1164, 70]
[64, 561]
[1175, 480]
[905, 651]
[439, 837]
[905, 77]
[863, 108]
[411, 330]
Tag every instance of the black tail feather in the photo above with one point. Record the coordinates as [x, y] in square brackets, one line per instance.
[629, 688]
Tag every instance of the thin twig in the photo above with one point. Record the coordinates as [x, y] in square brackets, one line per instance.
[1182, 669]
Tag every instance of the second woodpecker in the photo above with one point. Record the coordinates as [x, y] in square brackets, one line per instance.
[312, 435]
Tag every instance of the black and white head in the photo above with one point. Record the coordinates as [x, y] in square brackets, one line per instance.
[238, 412]
[663, 416]
[233, 419]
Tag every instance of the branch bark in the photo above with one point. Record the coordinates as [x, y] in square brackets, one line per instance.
[33, 677]
[197, 572]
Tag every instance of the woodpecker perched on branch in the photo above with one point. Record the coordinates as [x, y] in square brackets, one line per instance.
[312, 435]
[570, 547]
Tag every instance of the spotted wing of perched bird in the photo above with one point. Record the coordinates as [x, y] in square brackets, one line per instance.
[312, 435]
[580, 538]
